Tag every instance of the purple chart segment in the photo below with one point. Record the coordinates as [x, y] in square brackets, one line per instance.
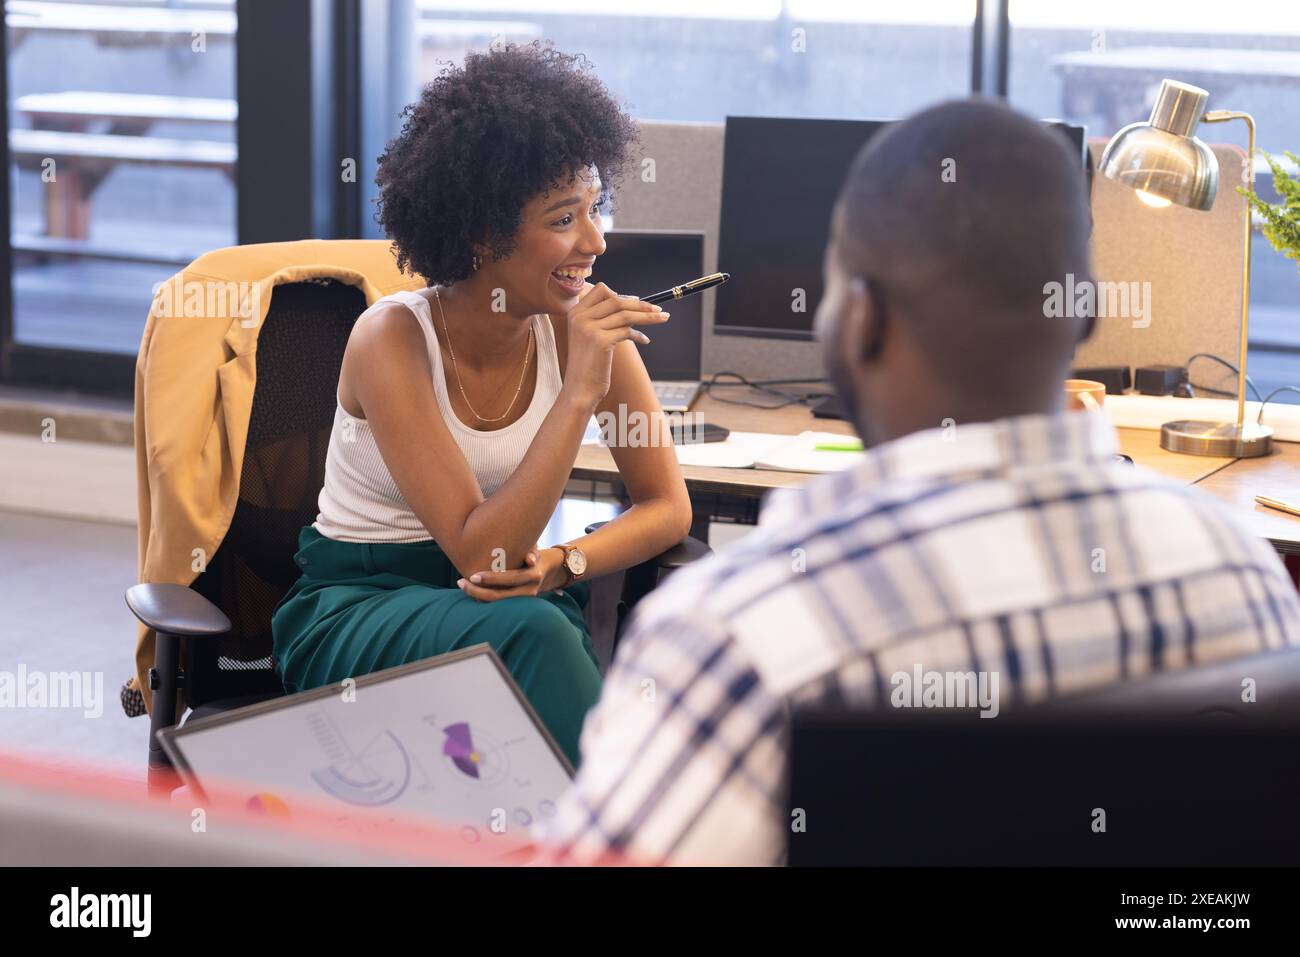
[459, 746]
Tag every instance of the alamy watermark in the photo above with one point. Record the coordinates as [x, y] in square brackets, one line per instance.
[75, 909]
[208, 299]
[633, 429]
[1084, 298]
[946, 689]
[53, 689]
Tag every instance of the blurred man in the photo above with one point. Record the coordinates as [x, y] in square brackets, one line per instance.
[986, 531]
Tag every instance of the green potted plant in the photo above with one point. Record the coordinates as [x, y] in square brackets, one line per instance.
[1281, 222]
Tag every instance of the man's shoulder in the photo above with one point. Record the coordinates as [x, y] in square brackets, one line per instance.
[757, 600]
[792, 593]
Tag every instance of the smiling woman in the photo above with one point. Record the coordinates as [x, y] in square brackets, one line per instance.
[482, 141]
[461, 407]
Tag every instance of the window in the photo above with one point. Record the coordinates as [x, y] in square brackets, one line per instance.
[1100, 64]
[122, 160]
[702, 60]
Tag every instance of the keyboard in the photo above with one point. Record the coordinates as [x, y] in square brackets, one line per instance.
[676, 396]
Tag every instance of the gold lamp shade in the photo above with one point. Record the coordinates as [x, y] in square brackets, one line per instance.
[1161, 157]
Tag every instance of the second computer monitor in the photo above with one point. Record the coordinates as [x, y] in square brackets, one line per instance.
[780, 179]
[639, 262]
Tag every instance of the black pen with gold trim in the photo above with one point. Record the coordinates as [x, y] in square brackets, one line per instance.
[688, 288]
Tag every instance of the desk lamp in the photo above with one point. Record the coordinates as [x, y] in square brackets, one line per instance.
[1164, 161]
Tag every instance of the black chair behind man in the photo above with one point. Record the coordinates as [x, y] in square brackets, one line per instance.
[1196, 767]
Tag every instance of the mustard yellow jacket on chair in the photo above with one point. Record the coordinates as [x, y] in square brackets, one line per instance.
[194, 381]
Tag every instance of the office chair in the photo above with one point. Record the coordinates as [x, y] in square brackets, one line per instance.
[225, 613]
[1175, 770]
[640, 580]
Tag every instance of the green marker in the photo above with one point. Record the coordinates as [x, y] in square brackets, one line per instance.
[848, 445]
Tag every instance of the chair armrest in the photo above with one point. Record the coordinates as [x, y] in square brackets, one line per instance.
[176, 610]
[675, 556]
[641, 579]
[683, 553]
[172, 611]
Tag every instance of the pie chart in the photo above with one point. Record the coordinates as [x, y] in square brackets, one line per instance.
[474, 755]
[376, 775]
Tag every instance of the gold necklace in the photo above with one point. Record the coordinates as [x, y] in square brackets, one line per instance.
[454, 368]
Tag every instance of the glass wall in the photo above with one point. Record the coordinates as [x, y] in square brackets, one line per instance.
[702, 60]
[122, 159]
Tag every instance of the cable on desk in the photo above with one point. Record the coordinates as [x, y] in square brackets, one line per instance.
[764, 386]
[1187, 375]
[1282, 388]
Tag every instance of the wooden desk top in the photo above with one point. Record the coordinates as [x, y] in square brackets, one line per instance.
[1279, 473]
[595, 462]
[1236, 482]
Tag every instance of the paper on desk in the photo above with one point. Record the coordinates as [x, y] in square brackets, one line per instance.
[738, 451]
[746, 450]
[798, 455]
[763, 450]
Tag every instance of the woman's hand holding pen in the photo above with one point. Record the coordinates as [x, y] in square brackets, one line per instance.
[600, 321]
[543, 571]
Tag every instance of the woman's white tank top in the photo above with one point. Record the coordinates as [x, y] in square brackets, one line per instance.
[360, 502]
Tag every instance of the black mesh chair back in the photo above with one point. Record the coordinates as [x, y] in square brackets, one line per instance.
[299, 354]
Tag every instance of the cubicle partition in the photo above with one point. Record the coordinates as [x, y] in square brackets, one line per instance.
[1192, 260]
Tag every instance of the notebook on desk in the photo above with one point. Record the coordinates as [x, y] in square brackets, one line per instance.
[763, 450]
[799, 454]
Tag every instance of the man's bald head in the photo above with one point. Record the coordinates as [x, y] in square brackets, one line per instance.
[956, 218]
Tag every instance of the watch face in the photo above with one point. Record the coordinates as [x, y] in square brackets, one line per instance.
[576, 561]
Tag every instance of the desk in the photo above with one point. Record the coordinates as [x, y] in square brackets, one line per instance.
[596, 462]
[734, 494]
[1239, 483]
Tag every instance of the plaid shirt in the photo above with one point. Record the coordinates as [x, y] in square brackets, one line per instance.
[1019, 546]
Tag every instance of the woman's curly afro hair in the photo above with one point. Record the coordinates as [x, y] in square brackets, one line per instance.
[484, 139]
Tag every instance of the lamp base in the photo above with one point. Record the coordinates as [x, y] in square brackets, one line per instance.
[1222, 439]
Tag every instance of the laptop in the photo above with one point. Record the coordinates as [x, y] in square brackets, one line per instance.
[450, 737]
[640, 262]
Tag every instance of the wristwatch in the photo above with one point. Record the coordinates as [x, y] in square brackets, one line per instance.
[575, 562]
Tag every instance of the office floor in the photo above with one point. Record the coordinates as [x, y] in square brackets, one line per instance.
[61, 609]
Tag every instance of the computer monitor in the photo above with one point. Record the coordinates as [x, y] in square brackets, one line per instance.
[639, 262]
[780, 179]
